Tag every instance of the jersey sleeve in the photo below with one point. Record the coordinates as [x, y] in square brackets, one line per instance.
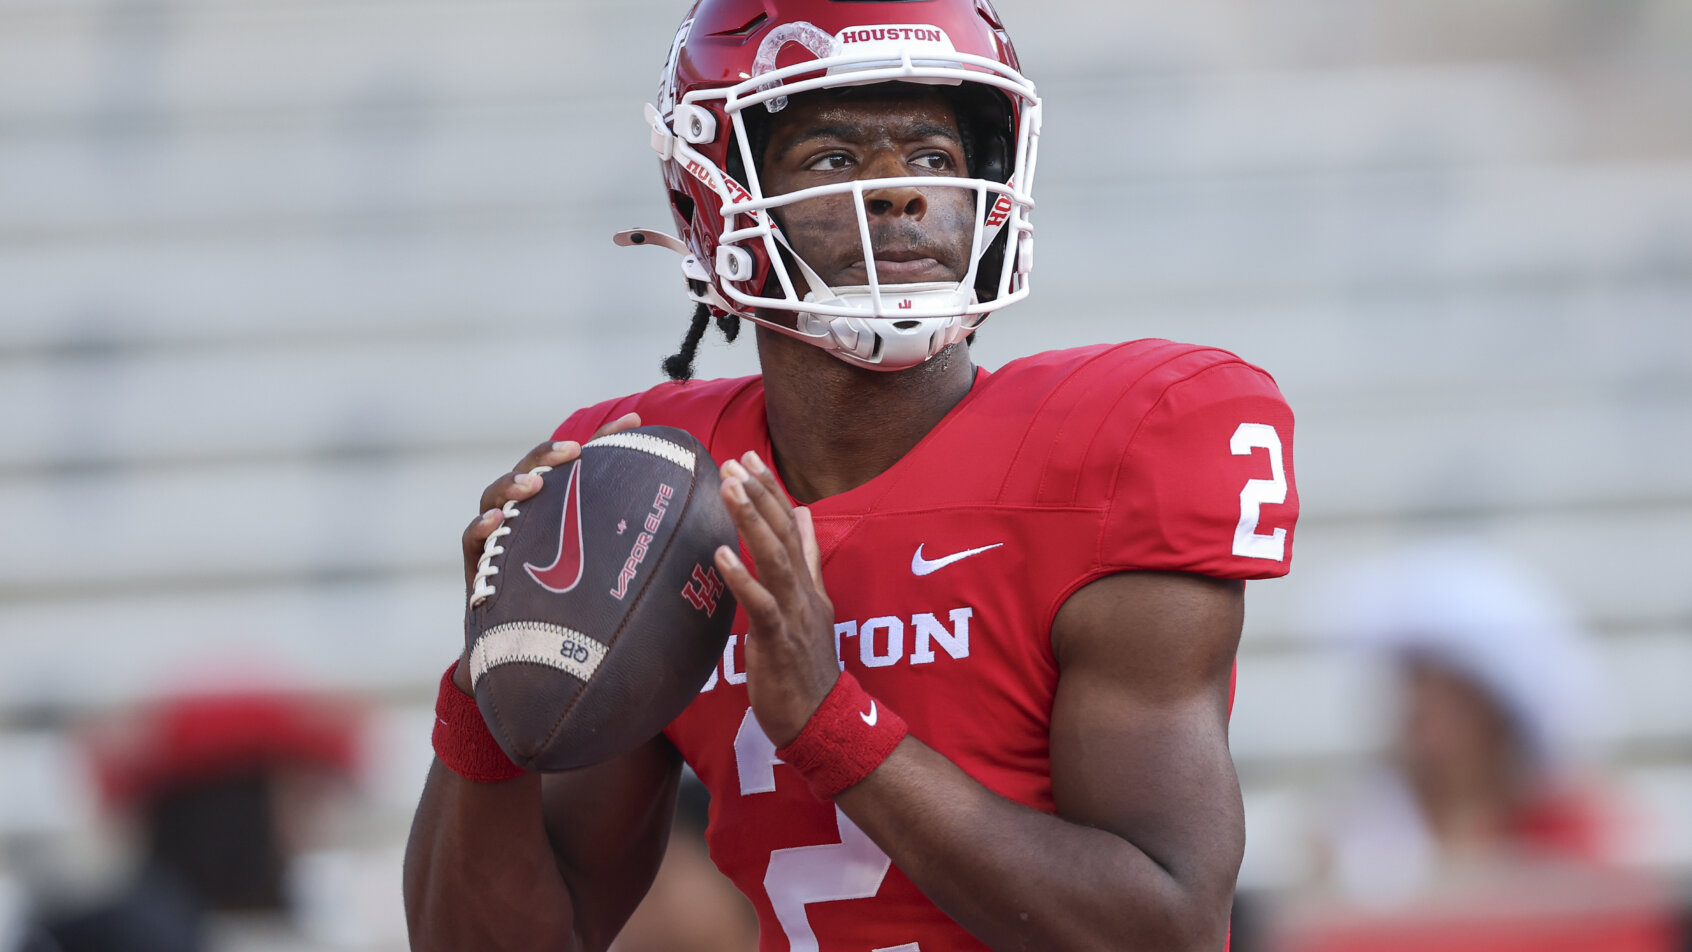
[581, 425]
[695, 406]
[1205, 481]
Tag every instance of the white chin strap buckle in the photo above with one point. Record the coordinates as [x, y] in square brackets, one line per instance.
[899, 302]
[893, 341]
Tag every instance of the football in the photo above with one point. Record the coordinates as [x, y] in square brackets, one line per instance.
[597, 613]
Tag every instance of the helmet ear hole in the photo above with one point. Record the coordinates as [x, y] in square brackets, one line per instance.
[683, 205]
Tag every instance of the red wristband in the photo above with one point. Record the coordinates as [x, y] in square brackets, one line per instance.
[462, 739]
[848, 737]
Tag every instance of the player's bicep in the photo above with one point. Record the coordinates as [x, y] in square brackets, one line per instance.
[609, 825]
[1139, 737]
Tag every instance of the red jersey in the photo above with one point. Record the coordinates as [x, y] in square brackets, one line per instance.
[946, 572]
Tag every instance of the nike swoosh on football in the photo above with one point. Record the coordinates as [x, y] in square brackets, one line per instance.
[922, 566]
[566, 568]
[872, 716]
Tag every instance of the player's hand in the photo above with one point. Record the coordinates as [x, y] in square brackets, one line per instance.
[790, 661]
[518, 485]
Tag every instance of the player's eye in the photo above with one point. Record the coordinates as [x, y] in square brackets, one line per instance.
[832, 162]
[934, 162]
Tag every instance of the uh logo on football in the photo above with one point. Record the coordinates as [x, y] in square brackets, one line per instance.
[881, 643]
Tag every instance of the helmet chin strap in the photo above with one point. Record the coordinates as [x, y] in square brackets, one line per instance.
[881, 343]
[888, 343]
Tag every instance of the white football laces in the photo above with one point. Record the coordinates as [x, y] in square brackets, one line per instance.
[481, 588]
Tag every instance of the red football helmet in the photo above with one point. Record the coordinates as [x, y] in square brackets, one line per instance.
[731, 56]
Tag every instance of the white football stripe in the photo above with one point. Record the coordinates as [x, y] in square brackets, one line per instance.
[536, 642]
[647, 443]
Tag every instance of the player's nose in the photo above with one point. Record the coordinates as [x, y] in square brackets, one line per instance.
[892, 201]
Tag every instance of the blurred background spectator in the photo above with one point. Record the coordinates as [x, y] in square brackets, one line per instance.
[1484, 824]
[1494, 713]
[286, 280]
[212, 798]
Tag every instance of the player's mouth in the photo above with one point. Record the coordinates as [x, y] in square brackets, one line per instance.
[901, 267]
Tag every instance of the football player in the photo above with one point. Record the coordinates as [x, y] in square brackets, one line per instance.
[980, 688]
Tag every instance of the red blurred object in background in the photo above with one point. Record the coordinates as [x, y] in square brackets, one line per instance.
[194, 738]
[1570, 910]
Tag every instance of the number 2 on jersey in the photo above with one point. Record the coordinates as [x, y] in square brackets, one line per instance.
[1259, 493]
[798, 876]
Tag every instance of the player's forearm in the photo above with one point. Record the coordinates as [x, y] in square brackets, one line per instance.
[479, 872]
[1018, 878]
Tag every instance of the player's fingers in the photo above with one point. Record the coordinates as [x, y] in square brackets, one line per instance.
[761, 540]
[766, 480]
[761, 607]
[511, 486]
[475, 538]
[768, 548]
[552, 453]
[808, 543]
[774, 503]
[771, 503]
[627, 421]
[555, 453]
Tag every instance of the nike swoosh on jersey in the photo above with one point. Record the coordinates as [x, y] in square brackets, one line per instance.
[566, 568]
[922, 566]
[872, 716]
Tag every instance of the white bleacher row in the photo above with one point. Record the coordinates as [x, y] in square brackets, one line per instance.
[1409, 233]
[329, 158]
[238, 411]
[1184, 125]
[219, 55]
[1373, 230]
[1298, 707]
[256, 504]
[1496, 354]
[323, 170]
[1429, 240]
[1361, 222]
[261, 403]
[354, 284]
[1619, 568]
[256, 56]
[377, 636]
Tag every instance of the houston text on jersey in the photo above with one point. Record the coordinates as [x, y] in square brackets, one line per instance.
[881, 642]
